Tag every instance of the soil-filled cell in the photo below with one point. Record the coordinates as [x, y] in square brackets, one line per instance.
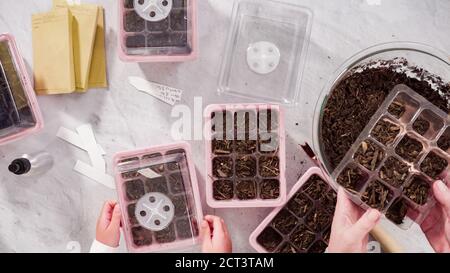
[377, 195]
[433, 165]
[131, 215]
[318, 247]
[269, 239]
[369, 155]
[269, 166]
[397, 108]
[135, 41]
[409, 149]
[300, 204]
[417, 190]
[314, 187]
[158, 184]
[394, 172]
[141, 236]
[286, 248]
[246, 189]
[284, 222]
[223, 190]
[166, 235]
[222, 146]
[185, 228]
[176, 183]
[269, 189]
[397, 212]
[181, 205]
[134, 189]
[385, 131]
[245, 146]
[245, 166]
[162, 25]
[444, 140]
[318, 220]
[352, 178]
[133, 22]
[178, 20]
[223, 167]
[302, 237]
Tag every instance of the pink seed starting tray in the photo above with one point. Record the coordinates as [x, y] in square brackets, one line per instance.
[245, 155]
[303, 223]
[395, 160]
[159, 197]
[157, 30]
[19, 111]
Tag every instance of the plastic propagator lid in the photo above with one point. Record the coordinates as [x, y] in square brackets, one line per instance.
[266, 51]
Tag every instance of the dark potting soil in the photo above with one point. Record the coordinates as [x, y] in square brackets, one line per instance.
[245, 166]
[134, 189]
[417, 190]
[222, 146]
[444, 140]
[397, 212]
[397, 109]
[302, 238]
[269, 239]
[269, 189]
[246, 189]
[287, 248]
[385, 131]
[355, 99]
[223, 190]
[433, 165]
[131, 216]
[184, 228]
[318, 247]
[141, 236]
[181, 205]
[315, 187]
[394, 172]
[245, 146]
[421, 126]
[284, 222]
[166, 235]
[318, 220]
[409, 149]
[300, 204]
[176, 183]
[157, 184]
[223, 167]
[369, 155]
[269, 166]
[376, 195]
[352, 178]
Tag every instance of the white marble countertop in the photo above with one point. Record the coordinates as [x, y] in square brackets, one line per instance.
[45, 214]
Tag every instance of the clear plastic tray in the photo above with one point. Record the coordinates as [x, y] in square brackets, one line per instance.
[172, 39]
[19, 111]
[287, 27]
[405, 133]
[170, 188]
[305, 201]
[249, 142]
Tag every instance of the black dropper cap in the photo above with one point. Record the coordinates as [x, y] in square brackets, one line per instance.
[20, 166]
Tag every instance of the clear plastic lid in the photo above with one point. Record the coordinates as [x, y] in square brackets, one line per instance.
[19, 113]
[266, 51]
[158, 194]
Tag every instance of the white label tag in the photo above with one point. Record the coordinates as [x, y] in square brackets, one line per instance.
[94, 174]
[164, 93]
[149, 173]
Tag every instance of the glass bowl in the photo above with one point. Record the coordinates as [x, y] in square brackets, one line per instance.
[427, 57]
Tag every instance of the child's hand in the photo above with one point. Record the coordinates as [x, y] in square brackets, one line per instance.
[436, 225]
[108, 224]
[216, 238]
[351, 226]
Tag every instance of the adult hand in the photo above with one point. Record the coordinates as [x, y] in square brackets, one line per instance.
[351, 226]
[216, 238]
[108, 224]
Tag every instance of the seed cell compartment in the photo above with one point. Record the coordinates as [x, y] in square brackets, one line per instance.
[161, 210]
[19, 112]
[245, 151]
[397, 157]
[157, 30]
[302, 223]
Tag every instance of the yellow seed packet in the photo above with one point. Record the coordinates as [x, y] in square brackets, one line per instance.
[83, 34]
[53, 60]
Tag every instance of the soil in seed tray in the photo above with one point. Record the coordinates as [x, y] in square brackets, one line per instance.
[421, 126]
[409, 149]
[318, 220]
[134, 22]
[131, 215]
[351, 178]
[130, 175]
[326, 235]
[222, 147]
[433, 165]
[245, 166]
[369, 155]
[141, 236]
[315, 187]
[328, 201]
[162, 25]
[318, 247]
[184, 228]
[178, 20]
[356, 98]
[179, 3]
[269, 239]
[444, 140]
[376, 195]
[173, 166]
[135, 41]
[176, 183]
[269, 189]
[245, 146]
[284, 222]
[397, 109]
[134, 189]
[269, 166]
[157, 184]
[286, 248]
[302, 238]
[181, 205]
[385, 131]
[129, 4]
[397, 212]
[394, 172]
[246, 189]
[417, 190]
[166, 235]
[223, 167]
[300, 204]
[223, 190]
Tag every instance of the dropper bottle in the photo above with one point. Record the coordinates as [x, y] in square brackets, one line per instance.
[31, 164]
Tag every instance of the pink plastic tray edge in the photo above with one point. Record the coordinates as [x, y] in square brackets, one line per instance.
[282, 156]
[195, 190]
[147, 59]
[31, 95]
[253, 236]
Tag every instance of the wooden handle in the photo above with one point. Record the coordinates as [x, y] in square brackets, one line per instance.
[387, 242]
